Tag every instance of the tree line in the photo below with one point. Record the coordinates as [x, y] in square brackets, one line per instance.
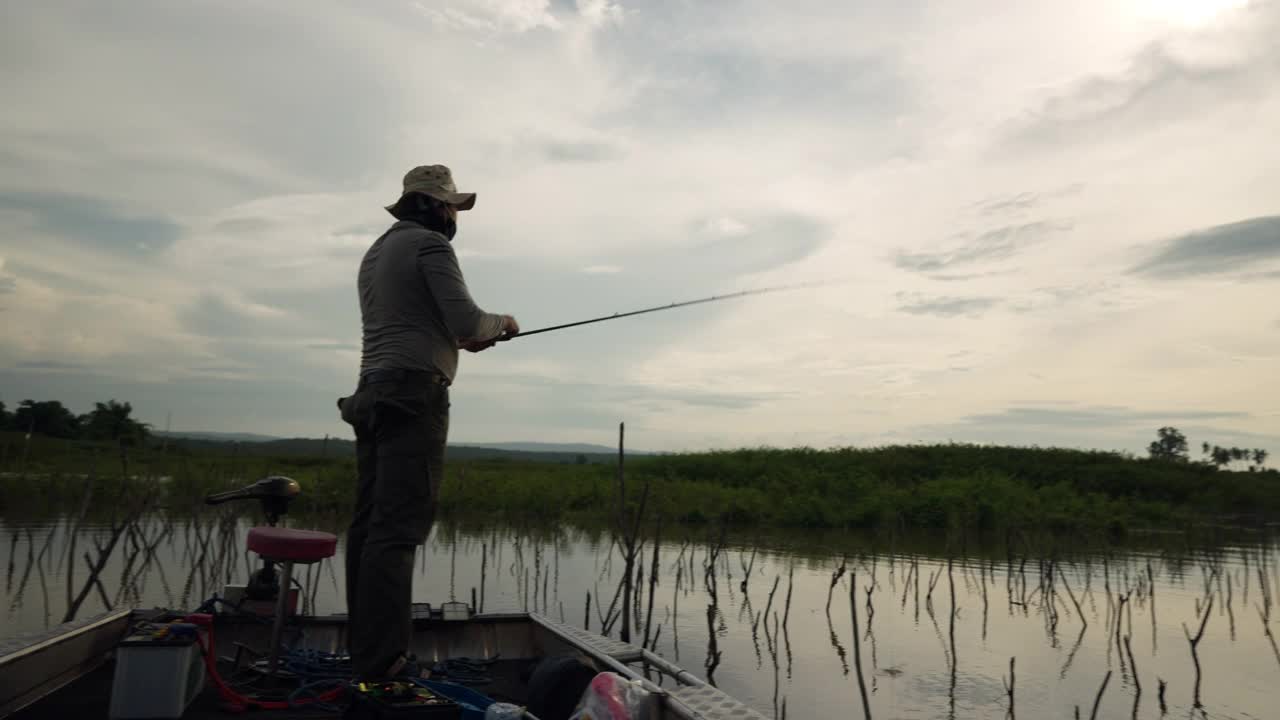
[112, 421]
[107, 421]
[1171, 445]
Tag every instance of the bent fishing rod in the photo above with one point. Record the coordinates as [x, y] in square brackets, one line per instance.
[659, 308]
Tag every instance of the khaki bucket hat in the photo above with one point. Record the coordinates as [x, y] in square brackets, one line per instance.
[436, 181]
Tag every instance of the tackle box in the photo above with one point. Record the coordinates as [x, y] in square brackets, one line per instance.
[399, 701]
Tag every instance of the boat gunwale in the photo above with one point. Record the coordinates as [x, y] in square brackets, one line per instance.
[60, 633]
[19, 698]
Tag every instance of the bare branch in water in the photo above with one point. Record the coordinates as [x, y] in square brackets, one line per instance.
[1098, 700]
[835, 578]
[857, 653]
[1008, 688]
[1195, 642]
[770, 602]
[791, 581]
[1133, 668]
[746, 569]
[1266, 630]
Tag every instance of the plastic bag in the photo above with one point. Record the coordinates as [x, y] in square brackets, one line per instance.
[612, 697]
[503, 711]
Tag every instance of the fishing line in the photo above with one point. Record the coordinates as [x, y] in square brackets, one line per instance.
[672, 306]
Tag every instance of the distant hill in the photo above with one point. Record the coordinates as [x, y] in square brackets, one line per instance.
[216, 436]
[265, 445]
[527, 447]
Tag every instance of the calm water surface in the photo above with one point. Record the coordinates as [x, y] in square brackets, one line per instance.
[1067, 623]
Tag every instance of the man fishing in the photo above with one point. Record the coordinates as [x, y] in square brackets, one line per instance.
[416, 313]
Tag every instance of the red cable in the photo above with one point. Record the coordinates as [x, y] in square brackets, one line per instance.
[236, 698]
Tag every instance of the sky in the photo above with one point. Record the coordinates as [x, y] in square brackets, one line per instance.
[1039, 223]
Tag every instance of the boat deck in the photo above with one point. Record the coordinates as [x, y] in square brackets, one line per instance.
[494, 654]
[86, 697]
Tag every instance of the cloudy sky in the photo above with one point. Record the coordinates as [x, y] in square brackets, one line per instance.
[1047, 223]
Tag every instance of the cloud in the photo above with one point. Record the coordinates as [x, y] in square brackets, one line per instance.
[965, 277]
[557, 151]
[1013, 204]
[247, 225]
[1023, 202]
[1100, 427]
[223, 315]
[491, 17]
[701, 76]
[1056, 296]
[363, 230]
[1171, 81]
[993, 245]
[618, 397]
[1232, 247]
[89, 221]
[726, 227]
[623, 165]
[747, 245]
[223, 370]
[948, 307]
[48, 365]
[1097, 416]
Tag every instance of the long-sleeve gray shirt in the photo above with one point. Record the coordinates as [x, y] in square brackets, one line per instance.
[414, 303]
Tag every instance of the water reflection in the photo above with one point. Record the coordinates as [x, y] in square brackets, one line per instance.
[767, 617]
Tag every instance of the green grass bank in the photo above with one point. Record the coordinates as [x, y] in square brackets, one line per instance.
[934, 486]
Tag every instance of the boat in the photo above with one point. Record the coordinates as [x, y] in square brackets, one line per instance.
[93, 667]
[68, 671]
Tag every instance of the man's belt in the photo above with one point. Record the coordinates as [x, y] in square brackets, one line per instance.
[398, 375]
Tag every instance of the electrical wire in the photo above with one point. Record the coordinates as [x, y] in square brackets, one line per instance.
[239, 700]
[315, 669]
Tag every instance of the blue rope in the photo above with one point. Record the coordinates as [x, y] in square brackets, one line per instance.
[316, 665]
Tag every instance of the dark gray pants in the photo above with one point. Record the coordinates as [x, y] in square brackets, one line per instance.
[401, 428]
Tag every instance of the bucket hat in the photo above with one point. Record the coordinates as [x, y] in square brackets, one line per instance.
[436, 181]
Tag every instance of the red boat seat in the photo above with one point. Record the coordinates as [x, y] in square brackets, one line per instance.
[289, 545]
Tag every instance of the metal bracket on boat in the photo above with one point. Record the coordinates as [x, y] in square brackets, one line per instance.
[454, 611]
[695, 700]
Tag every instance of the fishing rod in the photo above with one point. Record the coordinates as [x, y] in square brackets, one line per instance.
[659, 308]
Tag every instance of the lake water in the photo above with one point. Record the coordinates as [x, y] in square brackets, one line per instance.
[919, 658]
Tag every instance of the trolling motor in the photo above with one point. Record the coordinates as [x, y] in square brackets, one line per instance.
[275, 492]
[276, 545]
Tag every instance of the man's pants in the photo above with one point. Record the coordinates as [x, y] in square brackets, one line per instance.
[401, 426]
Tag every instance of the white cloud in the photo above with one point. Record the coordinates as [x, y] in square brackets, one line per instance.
[491, 16]
[598, 13]
[987, 189]
[727, 227]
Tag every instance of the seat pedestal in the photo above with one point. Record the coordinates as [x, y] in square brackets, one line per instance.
[288, 547]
